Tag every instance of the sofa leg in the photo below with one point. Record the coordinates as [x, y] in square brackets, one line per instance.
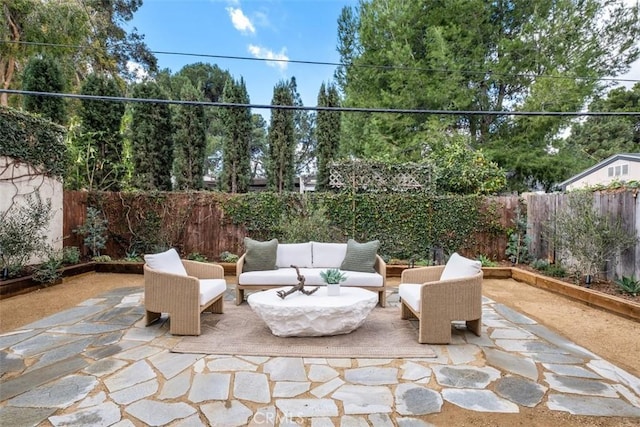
[382, 298]
[184, 324]
[151, 317]
[405, 312]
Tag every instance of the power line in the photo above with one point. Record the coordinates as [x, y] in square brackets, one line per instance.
[341, 64]
[321, 108]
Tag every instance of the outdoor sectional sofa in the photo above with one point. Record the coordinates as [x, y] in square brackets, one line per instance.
[360, 263]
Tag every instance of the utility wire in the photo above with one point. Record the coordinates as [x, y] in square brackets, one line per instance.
[340, 64]
[321, 108]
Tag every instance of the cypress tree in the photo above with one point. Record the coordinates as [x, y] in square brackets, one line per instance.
[280, 167]
[328, 133]
[151, 139]
[237, 127]
[100, 133]
[190, 141]
[44, 74]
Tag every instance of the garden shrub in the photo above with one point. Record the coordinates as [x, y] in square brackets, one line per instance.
[23, 233]
[94, 231]
[49, 271]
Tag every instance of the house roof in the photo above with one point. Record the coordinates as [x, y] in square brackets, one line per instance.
[632, 157]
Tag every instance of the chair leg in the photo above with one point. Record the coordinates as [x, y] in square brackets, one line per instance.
[405, 312]
[434, 331]
[239, 295]
[151, 317]
[475, 326]
[217, 305]
[184, 324]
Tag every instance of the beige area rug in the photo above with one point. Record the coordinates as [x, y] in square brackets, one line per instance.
[240, 331]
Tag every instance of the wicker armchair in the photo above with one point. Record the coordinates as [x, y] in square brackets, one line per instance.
[184, 297]
[435, 303]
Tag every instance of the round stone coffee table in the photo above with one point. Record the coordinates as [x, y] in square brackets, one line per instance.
[300, 315]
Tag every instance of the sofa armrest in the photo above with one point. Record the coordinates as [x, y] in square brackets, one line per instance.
[455, 297]
[163, 291]
[422, 274]
[203, 270]
[381, 268]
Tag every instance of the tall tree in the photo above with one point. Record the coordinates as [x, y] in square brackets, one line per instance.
[98, 26]
[237, 126]
[478, 56]
[280, 166]
[304, 133]
[327, 133]
[151, 139]
[99, 144]
[190, 141]
[44, 74]
[600, 137]
[258, 145]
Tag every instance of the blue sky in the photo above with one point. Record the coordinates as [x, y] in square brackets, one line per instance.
[304, 30]
[284, 29]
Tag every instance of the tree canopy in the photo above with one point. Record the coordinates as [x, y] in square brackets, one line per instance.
[478, 56]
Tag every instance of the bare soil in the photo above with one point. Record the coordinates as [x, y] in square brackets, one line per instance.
[608, 335]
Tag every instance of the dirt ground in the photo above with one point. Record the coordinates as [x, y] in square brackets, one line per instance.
[608, 335]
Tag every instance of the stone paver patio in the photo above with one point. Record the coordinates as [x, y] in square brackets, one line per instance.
[97, 364]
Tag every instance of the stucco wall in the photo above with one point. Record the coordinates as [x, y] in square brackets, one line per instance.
[601, 176]
[18, 181]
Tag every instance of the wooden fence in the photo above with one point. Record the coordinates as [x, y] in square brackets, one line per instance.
[199, 225]
[617, 205]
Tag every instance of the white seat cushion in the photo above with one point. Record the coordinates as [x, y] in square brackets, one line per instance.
[458, 267]
[298, 254]
[288, 277]
[211, 288]
[410, 295]
[167, 261]
[328, 255]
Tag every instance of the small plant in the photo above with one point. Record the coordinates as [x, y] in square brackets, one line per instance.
[132, 256]
[333, 276]
[227, 256]
[23, 234]
[629, 285]
[486, 261]
[518, 243]
[101, 258]
[49, 271]
[70, 255]
[195, 256]
[94, 231]
[540, 264]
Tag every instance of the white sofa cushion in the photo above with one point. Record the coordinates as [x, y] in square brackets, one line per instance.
[211, 288]
[410, 294]
[328, 255]
[459, 267]
[298, 254]
[167, 261]
[288, 277]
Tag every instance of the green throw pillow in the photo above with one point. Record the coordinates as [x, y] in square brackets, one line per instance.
[260, 255]
[360, 256]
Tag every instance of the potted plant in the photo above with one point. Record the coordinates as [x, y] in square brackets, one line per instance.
[332, 277]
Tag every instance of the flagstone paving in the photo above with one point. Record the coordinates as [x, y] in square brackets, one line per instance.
[97, 364]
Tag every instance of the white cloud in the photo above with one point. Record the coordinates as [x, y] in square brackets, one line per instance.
[279, 59]
[240, 21]
[139, 73]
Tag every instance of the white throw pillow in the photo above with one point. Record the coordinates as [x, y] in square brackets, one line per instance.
[458, 267]
[298, 254]
[328, 255]
[168, 262]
